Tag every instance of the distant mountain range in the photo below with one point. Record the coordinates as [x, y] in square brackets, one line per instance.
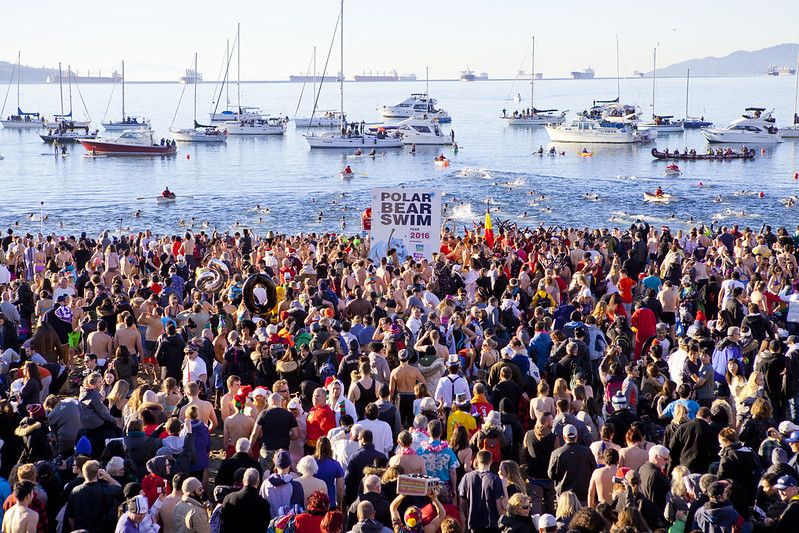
[740, 63]
[29, 74]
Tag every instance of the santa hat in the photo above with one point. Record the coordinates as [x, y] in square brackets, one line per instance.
[329, 381]
[700, 317]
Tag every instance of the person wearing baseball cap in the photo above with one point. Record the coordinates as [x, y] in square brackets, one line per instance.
[547, 523]
[789, 493]
[718, 514]
[571, 466]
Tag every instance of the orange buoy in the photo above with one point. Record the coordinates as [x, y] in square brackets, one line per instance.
[762, 195]
[762, 151]
[796, 175]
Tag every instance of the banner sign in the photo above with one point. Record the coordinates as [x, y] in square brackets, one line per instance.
[408, 220]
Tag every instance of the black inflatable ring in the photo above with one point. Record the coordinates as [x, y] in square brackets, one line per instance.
[248, 296]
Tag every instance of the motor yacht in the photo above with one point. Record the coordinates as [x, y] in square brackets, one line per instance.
[418, 104]
[596, 130]
[131, 142]
[756, 126]
[422, 132]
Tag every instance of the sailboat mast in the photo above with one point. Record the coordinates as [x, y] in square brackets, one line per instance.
[795, 93]
[19, 74]
[314, 71]
[427, 80]
[196, 70]
[618, 87]
[687, 81]
[238, 68]
[654, 75]
[69, 84]
[341, 73]
[227, 85]
[123, 91]
[532, 78]
[61, 90]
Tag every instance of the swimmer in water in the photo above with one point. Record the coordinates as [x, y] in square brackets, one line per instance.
[60, 224]
[206, 224]
[524, 214]
[718, 199]
[342, 195]
[260, 219]
[548, 209]
[182, 223]
[690, 219]
[138, 214]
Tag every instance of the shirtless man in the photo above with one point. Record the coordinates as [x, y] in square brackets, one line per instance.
[236, 426]
[19, 518]
[228, 408]
[220, 345]
[407, 458]
[669, 299]
[175, 497]
[433, 336]
[401, 383]
[129, 337]
[155, 328]
[101, 343]
[600, 488]
[207, 414]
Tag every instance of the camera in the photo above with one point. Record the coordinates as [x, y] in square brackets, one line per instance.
[416, 484]
[617, 479]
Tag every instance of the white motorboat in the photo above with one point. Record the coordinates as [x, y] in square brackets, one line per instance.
[418, 104]
[583, 129]
[127, 122]
[199, 133]
[422, 132]
[22, 120]
[328, 119]
[260, 126]
[754, 127]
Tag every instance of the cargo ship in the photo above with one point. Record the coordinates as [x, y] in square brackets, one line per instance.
[116, 76]
[191, 76]
[774, 70]
[302, 78]
[586, 74]
[522, 75]
[390, 75]
[468, 75]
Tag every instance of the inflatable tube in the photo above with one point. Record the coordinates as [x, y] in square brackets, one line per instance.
[215, 279]
[248, 294]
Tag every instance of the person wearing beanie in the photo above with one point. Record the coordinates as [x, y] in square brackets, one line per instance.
[279, 488]
[136, 511]
[190, 514]
[718, 514]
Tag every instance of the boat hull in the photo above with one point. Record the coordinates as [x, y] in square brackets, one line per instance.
[664, 128]
[662, 199]
[111, 148]
[737, 137]
[534, 120]
[562, 135]
[22, 124]
[236, 128]
[317, 122]
[360, 141]
[165, 200]
[789, 132]
[194, 136]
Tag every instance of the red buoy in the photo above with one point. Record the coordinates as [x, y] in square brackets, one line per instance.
[762, 194]
[188, 156]
[796, 175]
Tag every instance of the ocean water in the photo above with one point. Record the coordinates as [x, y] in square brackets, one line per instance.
[495, 162]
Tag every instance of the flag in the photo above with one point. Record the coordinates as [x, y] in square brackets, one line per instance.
[489, 231]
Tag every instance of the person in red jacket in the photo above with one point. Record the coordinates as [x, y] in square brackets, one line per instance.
[321, 419]
[645, 323]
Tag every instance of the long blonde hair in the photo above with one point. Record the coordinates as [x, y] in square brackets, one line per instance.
[677, 484]
[750, 390]
[568, 505]
[118, 392]
[680, 414]
[561, 389]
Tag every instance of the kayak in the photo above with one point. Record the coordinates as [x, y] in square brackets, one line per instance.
[444, 163]
[652, 197]
[672, 169]
[165, 199]
[585, 154]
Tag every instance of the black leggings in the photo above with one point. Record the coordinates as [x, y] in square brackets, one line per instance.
[405, 406]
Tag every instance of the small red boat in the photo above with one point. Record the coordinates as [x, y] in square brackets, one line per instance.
[131, 142]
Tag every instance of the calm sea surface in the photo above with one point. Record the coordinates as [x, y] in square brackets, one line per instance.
[495, 161]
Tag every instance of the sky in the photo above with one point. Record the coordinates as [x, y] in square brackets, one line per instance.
[158, 39]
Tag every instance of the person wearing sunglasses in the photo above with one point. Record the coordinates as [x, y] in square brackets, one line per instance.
[517, 516]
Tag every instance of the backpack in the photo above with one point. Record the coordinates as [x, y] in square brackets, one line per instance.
[492, 445]
[624, 344]
[282, 524]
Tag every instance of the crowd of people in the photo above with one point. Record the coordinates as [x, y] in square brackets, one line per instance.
[540, 380]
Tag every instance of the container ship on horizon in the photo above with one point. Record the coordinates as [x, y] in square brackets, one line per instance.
[391, 75]
[774, 70]
[586, 74]
[53, 78]
[191, 76]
